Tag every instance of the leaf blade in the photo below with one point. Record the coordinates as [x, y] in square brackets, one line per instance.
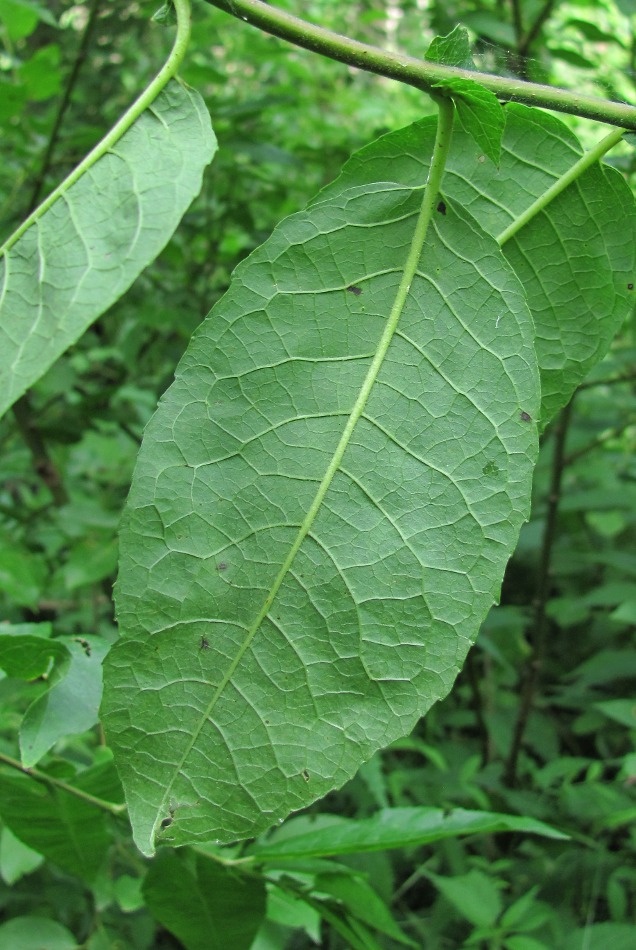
[399, 828]
[355, 682]
[84, 252]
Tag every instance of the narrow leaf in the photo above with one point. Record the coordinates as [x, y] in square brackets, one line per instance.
[400, 828]
[80, 255]
[363, 903]
[452, 50]
[575, 259]
[480, 114]
[206, 906]
[274, 638]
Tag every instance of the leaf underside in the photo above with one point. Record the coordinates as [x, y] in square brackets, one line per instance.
[221, 723]
[81, 255]
[575, 259]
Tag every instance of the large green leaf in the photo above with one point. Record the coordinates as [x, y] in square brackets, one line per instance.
[81, 255]
[575, 259]
[206, 906]
[270, 644]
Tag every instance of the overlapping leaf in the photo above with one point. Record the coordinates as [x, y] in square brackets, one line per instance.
[81, 255]
[575, 259]
[65, 829]
[206, 906]
[270, 645]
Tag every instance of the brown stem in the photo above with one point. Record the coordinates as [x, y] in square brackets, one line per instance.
[23, 413]
[65, 101]
[532, 670]
[478, 707]
[527, 39]
[44, 466]
[517, 21]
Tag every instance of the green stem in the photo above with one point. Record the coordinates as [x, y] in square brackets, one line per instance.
[57, 783]
[441, 150]
[147, 97]
[418, 73]
[585, 161]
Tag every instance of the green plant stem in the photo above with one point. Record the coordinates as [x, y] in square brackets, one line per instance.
[539, 627]
[147, 97]
[61, 786]
[441, 150]
[586, 160]
[419, 73]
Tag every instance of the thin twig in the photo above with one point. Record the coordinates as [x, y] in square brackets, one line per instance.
[65, 101]
[43, 465]
[58, 784]
[517, 22]
[607, 436]
[532, 671]
[526, 41]
[478, 707]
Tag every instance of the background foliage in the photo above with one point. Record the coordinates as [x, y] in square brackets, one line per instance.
[562, 637]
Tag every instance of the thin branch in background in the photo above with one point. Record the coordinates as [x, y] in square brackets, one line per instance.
[607, 436]
[55, 783]
[532, 671]
[23, 413]
[478, 706]
[65, 101]
[43, 465]
[526, 40]
[517, 22]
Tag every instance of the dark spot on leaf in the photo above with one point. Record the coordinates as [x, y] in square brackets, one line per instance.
[305, 775]
[630, 286]
[525, 417]
[167, 822]
[490, 468]
[204, 644]
[355, 290]
[441, 207]
[222, 566]
[85, 645]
